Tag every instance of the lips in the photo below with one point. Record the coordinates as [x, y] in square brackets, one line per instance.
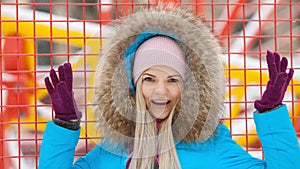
[159, 108]
[160, 102]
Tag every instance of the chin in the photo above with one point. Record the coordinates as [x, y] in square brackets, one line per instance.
[163, 116]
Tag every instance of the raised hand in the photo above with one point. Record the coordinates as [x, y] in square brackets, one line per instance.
[61, 93]
[277, 84]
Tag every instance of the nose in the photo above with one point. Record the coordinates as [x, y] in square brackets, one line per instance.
[160, 88]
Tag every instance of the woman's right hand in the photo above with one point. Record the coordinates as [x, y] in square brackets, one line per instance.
[60, 90]
[277, 84]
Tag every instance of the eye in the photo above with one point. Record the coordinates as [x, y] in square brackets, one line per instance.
[173, 80]
[148, 79]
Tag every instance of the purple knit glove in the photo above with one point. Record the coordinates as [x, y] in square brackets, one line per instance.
[277, 84]
[61, 93]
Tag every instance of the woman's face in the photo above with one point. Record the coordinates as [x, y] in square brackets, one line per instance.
[161, 89]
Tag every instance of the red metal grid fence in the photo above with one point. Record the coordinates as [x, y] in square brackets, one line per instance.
[40, 34]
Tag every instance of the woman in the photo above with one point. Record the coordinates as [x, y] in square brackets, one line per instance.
[159, 92]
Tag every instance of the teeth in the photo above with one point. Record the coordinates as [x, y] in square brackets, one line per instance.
[161, 102]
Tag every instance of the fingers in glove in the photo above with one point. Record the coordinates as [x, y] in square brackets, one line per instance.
[54, 77]
[271, 66]
[289, 78]
[283, 64]
[280, 83]
[65, 96]
[61, 73]
[277, 61]
[68, 76]
[48, 85]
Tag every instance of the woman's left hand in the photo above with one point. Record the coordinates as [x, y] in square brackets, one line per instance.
[61, 93]
[277, 84]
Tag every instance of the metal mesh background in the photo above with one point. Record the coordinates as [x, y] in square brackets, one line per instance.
[41, 34]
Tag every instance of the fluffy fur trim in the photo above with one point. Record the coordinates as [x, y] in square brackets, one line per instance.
[201, 106]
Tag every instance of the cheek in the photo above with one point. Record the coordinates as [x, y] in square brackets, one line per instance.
[176, 93]
[146, 94]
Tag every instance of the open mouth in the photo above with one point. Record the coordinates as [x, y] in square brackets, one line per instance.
[160, 108]
[160, 102]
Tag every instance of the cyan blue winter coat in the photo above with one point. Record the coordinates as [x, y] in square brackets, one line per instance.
[280, 145]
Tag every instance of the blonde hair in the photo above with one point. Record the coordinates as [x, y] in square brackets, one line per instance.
[148, 143]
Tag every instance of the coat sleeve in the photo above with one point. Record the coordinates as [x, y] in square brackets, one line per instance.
[58, 150]
[58, 147]
[278, 138]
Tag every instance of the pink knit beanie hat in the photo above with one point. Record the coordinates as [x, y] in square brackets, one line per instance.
[159, 50]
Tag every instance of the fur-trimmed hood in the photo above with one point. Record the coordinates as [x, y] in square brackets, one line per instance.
[200, 109]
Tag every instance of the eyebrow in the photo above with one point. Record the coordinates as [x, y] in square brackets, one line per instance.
[154, 75]
[148, 74]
